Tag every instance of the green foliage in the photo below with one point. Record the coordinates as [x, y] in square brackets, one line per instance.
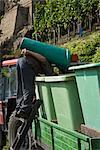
[96, 56]
[5, 72]
[86, 47]
[63, 12]
[39, 20]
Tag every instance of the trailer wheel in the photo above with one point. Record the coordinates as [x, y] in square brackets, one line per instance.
[13, 126]
[1, 138]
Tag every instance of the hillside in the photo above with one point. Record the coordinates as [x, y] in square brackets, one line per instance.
[87, 47]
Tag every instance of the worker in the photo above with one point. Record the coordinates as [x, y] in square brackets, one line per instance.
[28, 67]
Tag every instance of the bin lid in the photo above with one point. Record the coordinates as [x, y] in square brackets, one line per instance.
[92, 65]
[59, 78]
[38, 79]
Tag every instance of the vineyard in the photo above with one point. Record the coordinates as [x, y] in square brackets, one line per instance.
[56, 18]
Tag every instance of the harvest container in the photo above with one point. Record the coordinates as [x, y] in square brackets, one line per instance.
[66, 100]
[88, 82]
[45, 94]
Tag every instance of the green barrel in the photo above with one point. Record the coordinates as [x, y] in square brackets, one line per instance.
[44, 91]
[88, 81]
[66, 101]
[39, 81]
[56, 55]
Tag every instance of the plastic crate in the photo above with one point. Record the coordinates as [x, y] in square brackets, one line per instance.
[88, 82]
[66, 100]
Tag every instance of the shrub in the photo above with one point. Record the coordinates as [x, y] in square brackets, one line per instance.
[86, 47]
[96, 56]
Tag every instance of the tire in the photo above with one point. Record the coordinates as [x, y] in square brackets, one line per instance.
[13, 126]
[2, 138]
[1, 135]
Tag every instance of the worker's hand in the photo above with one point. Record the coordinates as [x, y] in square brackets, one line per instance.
[24, 51]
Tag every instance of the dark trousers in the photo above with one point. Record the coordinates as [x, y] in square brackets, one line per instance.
[25, 85]
[27, 69]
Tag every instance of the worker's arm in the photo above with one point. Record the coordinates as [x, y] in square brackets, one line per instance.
[33, 54]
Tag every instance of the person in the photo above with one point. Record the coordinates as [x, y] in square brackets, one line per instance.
[80, 29]
[28, 66]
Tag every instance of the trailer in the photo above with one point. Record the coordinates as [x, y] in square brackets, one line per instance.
[48, 134]
[68, 118]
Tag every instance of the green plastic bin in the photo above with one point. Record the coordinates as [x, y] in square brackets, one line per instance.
[66, 101]
[42, 112]
[88, 82]
[45, 94]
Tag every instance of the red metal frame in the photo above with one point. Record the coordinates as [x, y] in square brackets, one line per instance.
[9, 62]
[1, 113]
[4, 64]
